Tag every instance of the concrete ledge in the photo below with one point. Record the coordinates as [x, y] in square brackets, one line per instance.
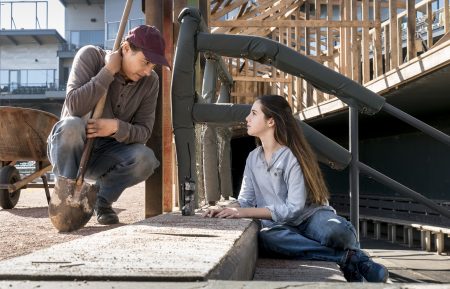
[168, 247]
[209, 285]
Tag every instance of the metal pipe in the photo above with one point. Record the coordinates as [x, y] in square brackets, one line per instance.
[354, 169]
[427, 129]
[383, 179]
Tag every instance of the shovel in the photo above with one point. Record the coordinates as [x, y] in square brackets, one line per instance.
[72, 201]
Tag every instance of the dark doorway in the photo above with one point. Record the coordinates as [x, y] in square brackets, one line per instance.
[240, 148]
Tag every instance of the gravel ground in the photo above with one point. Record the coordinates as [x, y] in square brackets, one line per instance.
[27, 228]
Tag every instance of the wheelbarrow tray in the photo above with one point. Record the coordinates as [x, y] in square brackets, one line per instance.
[23, 137]
[23, 133]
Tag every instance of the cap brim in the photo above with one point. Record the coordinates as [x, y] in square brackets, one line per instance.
[156, 58]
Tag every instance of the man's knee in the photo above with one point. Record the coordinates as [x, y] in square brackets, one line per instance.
[71, 127]
[146, 162]
[68, 133]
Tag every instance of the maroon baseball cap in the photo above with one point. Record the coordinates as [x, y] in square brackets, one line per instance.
[149, 39]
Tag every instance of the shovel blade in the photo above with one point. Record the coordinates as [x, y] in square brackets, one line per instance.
[71, 205]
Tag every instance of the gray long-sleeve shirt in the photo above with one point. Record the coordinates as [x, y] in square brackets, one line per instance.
[278, 186]
[132, 103]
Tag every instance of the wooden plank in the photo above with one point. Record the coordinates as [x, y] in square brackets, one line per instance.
[299, 81]
[167, 145]
[421, 6]
[348, 39]
[393, 33]
[154, 184]
[411, 32]
[446, 16]
[342, 36]
[387, 51]
[329, 44]
[378, 61]
[429, 25]
[227, 9]
[308, 93]
[283, 10]
[289, 77]
[365, 43]
[292, 23]
[216, 7]
[355, 44]
[428, 62]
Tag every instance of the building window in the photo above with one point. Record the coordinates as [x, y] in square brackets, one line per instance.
[135, 23]
[113, 27]
[4, 81]
[85, 37]
[20, 81]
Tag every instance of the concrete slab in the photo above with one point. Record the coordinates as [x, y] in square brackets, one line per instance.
[212, 284]
[297, 270]
[168, 247]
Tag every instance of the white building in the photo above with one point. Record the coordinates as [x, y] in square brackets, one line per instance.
[35, 63]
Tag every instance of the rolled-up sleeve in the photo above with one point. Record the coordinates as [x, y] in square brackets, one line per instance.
[289, 210]
[246, 197]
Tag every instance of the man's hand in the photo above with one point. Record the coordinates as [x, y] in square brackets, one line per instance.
[101, 127]
[113, 61]
[228, 213]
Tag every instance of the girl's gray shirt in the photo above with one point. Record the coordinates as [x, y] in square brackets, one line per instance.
[278, 186]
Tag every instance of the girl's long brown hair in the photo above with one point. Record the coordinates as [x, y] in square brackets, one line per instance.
[290, 134]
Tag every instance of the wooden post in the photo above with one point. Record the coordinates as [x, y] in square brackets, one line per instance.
[355, 43]
[446, 17]
[393, 34]
[411, 32]
[377, 60]
[299, 90]
[153, 185]
[430, 25]
[319, 94]
[365, 43]
[387, 50]
[330, 44]
[308, 93]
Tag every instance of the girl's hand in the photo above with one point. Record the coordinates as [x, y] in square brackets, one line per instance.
[230, 213]
[212, 213]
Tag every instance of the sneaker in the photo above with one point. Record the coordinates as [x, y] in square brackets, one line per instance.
[360, 267]
[106, 215]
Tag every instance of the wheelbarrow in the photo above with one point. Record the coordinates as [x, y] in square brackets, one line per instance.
[23, 137]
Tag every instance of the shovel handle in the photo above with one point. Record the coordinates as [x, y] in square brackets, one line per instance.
[98, 111]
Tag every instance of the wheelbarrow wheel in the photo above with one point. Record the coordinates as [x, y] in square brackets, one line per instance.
[9, 175]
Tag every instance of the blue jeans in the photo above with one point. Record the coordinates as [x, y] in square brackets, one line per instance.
[113, 165]
[324, 236]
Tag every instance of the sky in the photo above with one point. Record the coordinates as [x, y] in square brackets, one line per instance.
[24, 15]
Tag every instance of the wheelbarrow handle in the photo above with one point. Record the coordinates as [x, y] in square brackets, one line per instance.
[98, 111]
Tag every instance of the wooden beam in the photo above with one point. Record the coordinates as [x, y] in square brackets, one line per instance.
[429, 25]
[365, 43]
[355, 44]
[293, 23]
[168, 161]
[411, 32]
[227, 9]
[154, 184]
[378, 57]
[282, 10]
[446, 16]
[393, 33]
